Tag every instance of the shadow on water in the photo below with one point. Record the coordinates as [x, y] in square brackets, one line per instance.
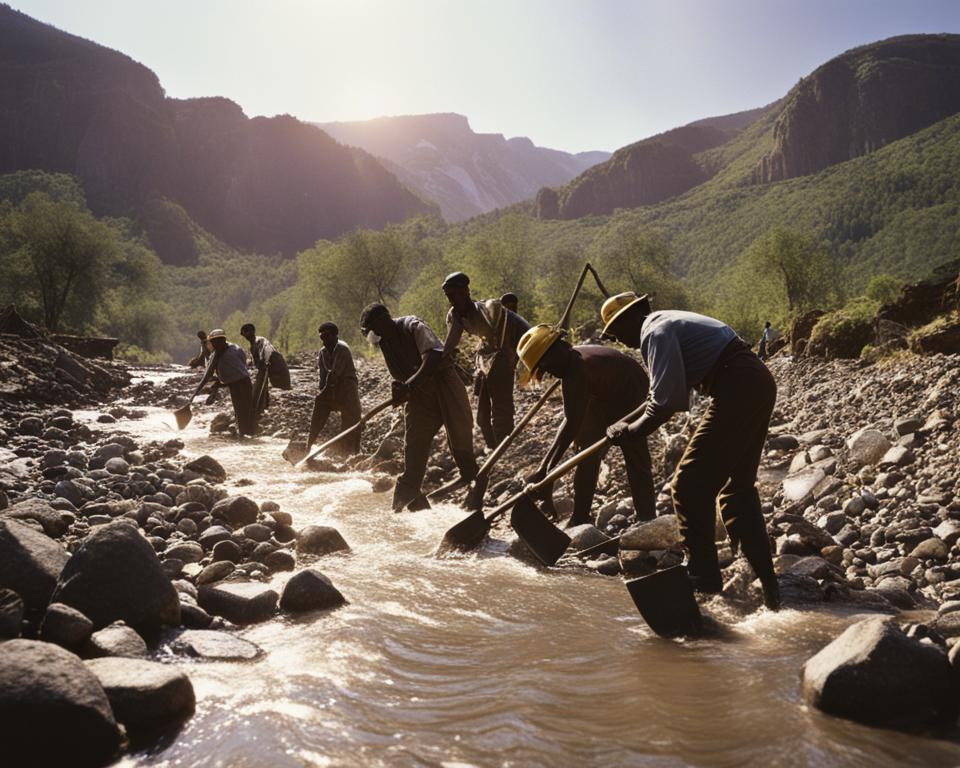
[484, 660]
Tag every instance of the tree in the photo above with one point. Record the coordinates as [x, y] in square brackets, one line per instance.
[68, 255]
[795, 267]
[883, 289]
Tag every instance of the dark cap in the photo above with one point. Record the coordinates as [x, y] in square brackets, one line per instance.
[370, 313]
[509, 298]
[329, 327]
[456, 280]
[247, 327]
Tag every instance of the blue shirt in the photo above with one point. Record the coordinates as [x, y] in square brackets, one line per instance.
[231, 364]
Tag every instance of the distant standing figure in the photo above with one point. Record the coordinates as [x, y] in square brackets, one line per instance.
[499, 331]
[262, 352]
[229, 364]
[765, 338]
[338, 388]
[435, 397]
[200, 359]
[510, 301]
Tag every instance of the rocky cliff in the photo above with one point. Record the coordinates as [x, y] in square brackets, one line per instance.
[464, 172]
[264, 184]
[862, 100]
[651, 170]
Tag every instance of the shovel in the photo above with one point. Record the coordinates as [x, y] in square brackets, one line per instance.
[474, 498]
[183, 414]
[363, 420]
[665, 600]
[543, 538]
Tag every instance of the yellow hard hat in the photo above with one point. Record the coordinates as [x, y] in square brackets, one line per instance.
[615, 306]
[532, 346]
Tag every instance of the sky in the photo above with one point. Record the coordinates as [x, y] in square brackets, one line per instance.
[569, 74]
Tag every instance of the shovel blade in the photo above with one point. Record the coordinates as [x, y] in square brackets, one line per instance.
[542, 537]
[468, 534]
[665, 600]
[183, 416]
[295, 451]
[474, 498]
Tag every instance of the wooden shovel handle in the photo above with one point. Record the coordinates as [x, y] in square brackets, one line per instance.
[505, 443]
[363, 420]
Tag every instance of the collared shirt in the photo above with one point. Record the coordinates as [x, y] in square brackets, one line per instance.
[335, 365]
[404, 354]
[261, 350]
[679, 349]
[496, 326]
[230, 364]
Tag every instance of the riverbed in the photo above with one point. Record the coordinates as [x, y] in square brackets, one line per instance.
[484, 660]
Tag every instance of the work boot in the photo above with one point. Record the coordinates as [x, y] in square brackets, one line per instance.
[467, 464]
[404, 494]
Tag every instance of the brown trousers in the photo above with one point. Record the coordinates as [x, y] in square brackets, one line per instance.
[495, 408]
[721, 462]
[636, 459]
[345, 399]
[441, 401]
[241, 395]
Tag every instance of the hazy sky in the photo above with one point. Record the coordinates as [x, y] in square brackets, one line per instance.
[570, 74]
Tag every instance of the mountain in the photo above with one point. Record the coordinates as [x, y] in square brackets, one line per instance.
[264, 184]
[466, 173]
[644, 173]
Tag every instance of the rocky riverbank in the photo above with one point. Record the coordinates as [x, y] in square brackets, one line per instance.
[116, 554]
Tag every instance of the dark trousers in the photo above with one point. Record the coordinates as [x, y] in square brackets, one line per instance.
[241, 395]
[636, 459]
[495, 408]
[441, 401]
[345, 399]
[720, 463]
[261, 389]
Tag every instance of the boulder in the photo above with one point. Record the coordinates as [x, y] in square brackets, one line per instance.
[215, 572]
[65, 626]
[213, 535]
[185, 551]
[53, 521]
[320, 540]
[227, 550]
[874, 674]
[584, 536]
[208, 467]
[144, 694]
[237, 511]
[115, 575]
[211, 645]
[53, 709]
[115, 640]
[661, 533]
[310, 590]
[867, 446]
[931, 549]
[801, 484]
[280, 560]
[241, 603]
[30, 563]
[11, 614]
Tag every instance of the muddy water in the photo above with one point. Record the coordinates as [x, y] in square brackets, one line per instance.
[487, 661]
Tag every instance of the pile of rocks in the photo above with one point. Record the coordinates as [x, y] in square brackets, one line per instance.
[114, 555]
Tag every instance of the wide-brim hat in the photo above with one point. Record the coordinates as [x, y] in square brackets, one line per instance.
[533, 345]
[616, 306]
[216, 333]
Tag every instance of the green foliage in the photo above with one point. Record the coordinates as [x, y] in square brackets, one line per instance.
[883, 289]
[15, 187]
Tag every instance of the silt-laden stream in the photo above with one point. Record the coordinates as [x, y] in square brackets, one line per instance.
[487, 661]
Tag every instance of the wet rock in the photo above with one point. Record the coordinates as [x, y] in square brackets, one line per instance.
[213, 535]
[661, 533]
[53, 709]
[11, 614]
[310, 590]
[53, 521]
[117, 466]
[144, 694]
[211, 645]
[187, 551]
[30, 563]
[320, 540]
[281, 518]
[65, 626]
[193, 616]
[866, 446]
[240, 603]
[280, 560]
[208, 467]
[31, 425]
[874, 674]
[115, 575]
[584, 536]
[227, 550]
[215, 572]
[237, 511]
[69, 490]
[257, 532]
[117, 639]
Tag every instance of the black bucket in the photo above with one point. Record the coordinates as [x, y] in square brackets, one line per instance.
[666, 602]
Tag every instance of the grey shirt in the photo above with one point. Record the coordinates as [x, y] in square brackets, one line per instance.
[679, 349]
[230, 365]
[261, 350]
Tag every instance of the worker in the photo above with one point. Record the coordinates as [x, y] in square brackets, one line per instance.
[600, 386]
[433, 393]
[510, 301]
[263, 354]
[498, 330]
[229, 364]
[203, 355]
[338, 388]
[684, 350]
[765, 338]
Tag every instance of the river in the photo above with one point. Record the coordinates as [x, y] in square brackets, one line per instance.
[484, 660]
